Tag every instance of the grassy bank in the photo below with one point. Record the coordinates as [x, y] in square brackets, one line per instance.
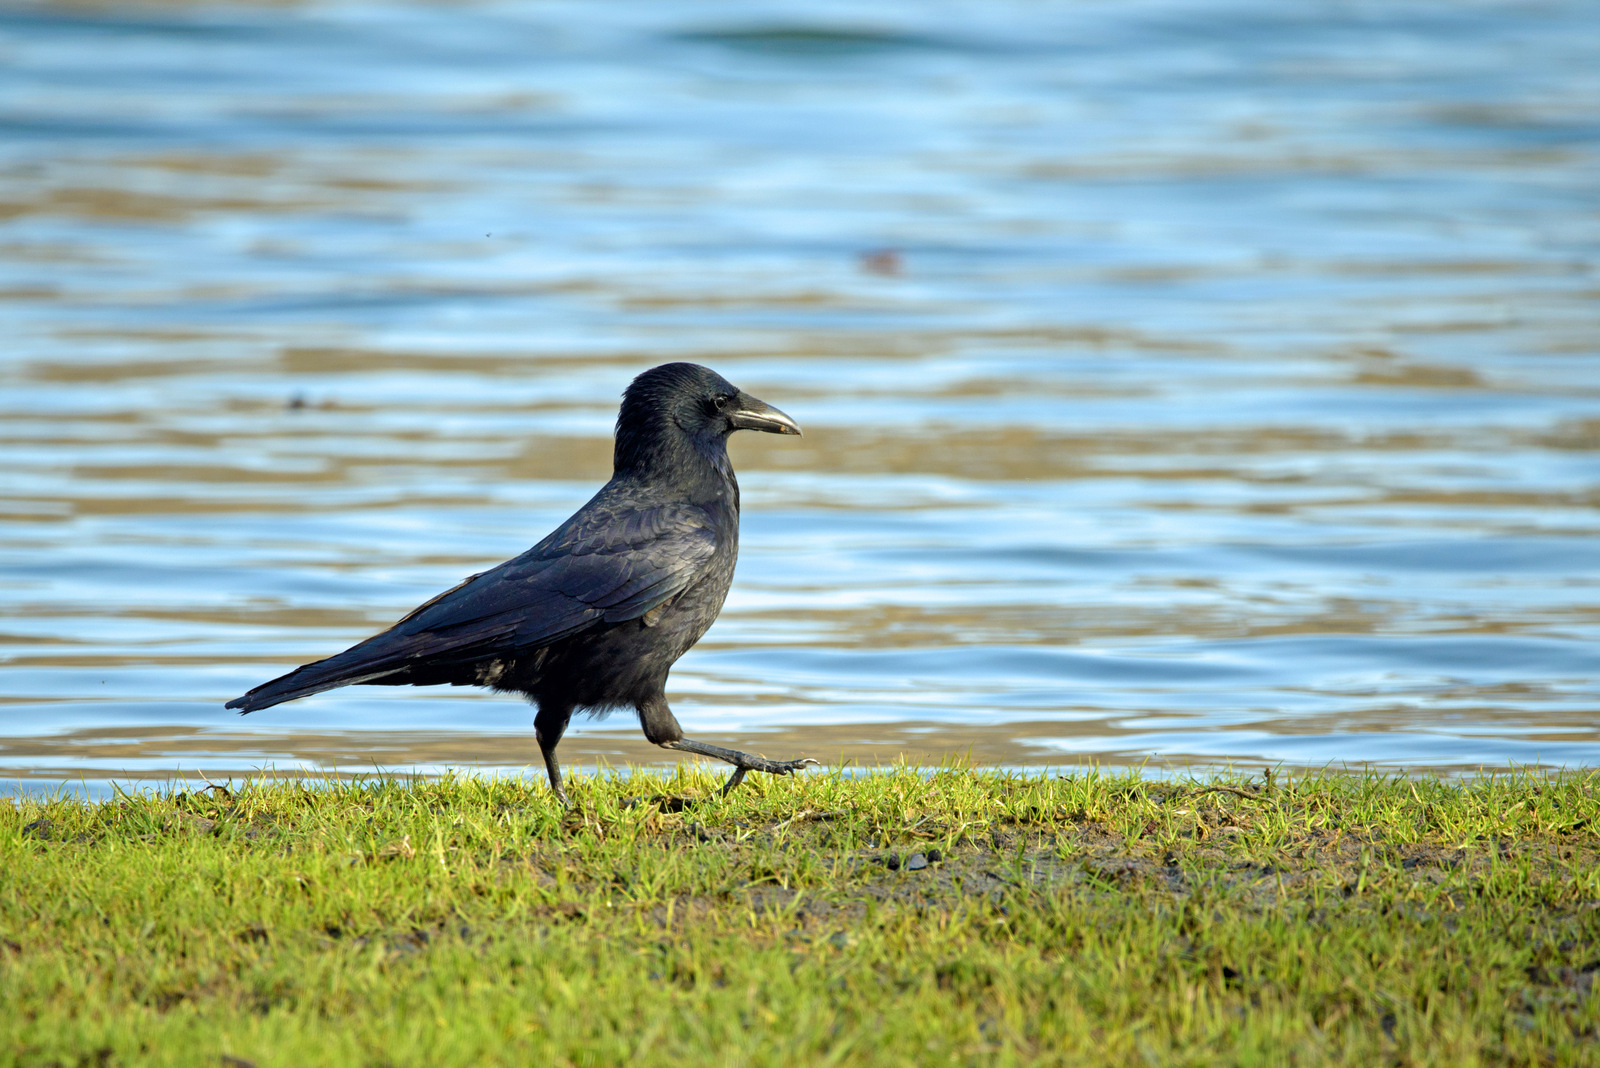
[964, 917]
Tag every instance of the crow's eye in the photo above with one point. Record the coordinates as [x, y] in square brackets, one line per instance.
[723, 402]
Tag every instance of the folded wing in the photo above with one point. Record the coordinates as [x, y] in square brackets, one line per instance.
[604, 565]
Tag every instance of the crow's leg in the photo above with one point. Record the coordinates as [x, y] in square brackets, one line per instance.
[548, 726]
[661, 727]
[742, 762]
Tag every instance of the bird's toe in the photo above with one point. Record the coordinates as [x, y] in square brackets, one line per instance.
[789, 767]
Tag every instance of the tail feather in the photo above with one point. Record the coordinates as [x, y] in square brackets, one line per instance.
[305, 681]
[392, 653]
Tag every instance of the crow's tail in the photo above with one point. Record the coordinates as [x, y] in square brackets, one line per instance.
[393, 658]
[326, 674]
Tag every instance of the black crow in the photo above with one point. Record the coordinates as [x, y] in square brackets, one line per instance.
[594, 616]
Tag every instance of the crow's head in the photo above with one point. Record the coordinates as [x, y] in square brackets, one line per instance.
[687, 403]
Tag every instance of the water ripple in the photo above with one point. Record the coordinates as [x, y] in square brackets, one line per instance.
[1187, 381]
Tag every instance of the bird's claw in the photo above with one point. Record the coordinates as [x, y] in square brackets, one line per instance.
[743, 763]
[771, 767]
[777, 767]
[798, 765]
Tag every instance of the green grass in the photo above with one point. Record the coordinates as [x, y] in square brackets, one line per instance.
[1078, 920]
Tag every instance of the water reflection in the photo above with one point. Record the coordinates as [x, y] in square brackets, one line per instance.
[1196, 383]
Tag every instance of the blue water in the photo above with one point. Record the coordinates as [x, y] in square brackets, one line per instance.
[1196, 383]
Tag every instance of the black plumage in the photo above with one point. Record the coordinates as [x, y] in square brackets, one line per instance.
[594, 616]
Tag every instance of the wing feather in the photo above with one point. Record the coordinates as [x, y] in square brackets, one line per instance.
[604, 565]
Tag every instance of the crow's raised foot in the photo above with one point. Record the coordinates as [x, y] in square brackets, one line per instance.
[742, 762]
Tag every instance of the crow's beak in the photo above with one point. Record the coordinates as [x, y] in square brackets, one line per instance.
[755, 414]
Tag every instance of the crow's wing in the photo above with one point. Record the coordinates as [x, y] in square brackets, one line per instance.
[606, 564]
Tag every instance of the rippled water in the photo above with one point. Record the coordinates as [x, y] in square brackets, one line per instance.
[1199, 382]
